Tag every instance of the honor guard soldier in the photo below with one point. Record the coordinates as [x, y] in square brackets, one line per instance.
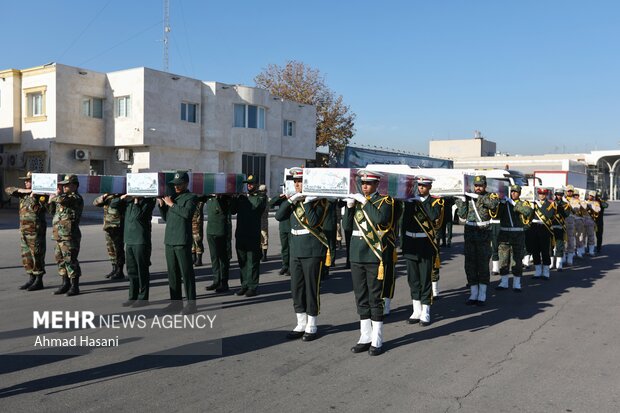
[198, 220]
[570, 226]
[67, 206]
[309, 248]
[249, 210]
[514, 215]
[559, 229]
[284, 228]
[218, 234]
[372, 215]
[32, 228]
[113, 218]
[475, 210]
[177, 210]
[600, 222]
[137, 232]
[542, 233]
[264, 225]
[495, 228]
[421, 218]
[593, 209]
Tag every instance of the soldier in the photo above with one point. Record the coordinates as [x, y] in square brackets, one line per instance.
[247, 235]
[559, 229]
[542, 233]
[284, 228]
[113, 218]
[137, 232]
[600, 222]
[475, 210]
[495, 228]
[177, 210]
[67, 207]
[32, 228]
[421, 218]
[308, 254]
[514, 215]
[264, 225]
[372, 214]
[570, 221]
[444, 234]
[593, 209]
[218, 234]
[198, 220]
[579, 210]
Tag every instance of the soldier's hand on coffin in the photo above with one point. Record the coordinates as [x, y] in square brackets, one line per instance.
[472, 195]
[460, 197]
[160, 202]
[350, 202]
[309, 199]
[168, 201]
[360, 198]
[296, 197]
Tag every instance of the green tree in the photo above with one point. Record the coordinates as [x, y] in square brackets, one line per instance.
[335, 122]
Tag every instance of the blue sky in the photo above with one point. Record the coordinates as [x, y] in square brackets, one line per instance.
[535, 76]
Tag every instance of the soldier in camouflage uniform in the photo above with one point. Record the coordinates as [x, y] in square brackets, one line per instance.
[198, 220]
[475, 210]
[559, 229]
[32, 227]
[593, 208]
[113, 220]
[67, 210]
[514, 215]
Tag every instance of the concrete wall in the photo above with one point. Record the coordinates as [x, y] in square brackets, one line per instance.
[461, 148]
[10, 106]
[125, 131]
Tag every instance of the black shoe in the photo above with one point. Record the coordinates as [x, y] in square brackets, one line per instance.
[212, 287]
[309, 337]
[189, 309]
[37, 284]
[64, 287]
[264, 259]
[193, 258]
[222, 288]
[413, 320]
[129, 303]
[287, 273]
[425, 323]
[294, 335]
[251, 293]
[173, 307]
[516, 290]
[471, 302]
[360, 347]
[480, 303]
[283, 271]
[436, 297]
[119, 275]
[241, 291]
[375, 351]
[198, 262]
[140, 303]
[500, 288]
[111, 273]
[75, 287]
[28, 283]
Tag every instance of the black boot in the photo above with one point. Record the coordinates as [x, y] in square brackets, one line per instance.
[75, 287]
[193, 258]
[119, 274]
[28, 283]
[37, 284]
[198, 262]
[264, 255]
[114, 269]
[64, 287]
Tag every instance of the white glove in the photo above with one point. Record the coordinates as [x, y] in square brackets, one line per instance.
[472, 195]
[461, 197]
[298, 196]
[350, 202]
[415, 198]
[359, 198]
[309, 199]
[512, 202]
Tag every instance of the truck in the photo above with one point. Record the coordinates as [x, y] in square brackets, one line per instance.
[559, 179]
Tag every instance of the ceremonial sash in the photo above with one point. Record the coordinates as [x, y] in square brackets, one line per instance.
[547, 222]
[373, 236]
[300, 215]
[429, 230]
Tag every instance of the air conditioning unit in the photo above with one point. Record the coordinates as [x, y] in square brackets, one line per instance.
[123, 154]
[3, 160]
[81, 154]
[15, 160]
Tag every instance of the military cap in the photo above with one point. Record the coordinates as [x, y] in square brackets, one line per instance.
[480, 180]
[70, 179]
[591, 193]
[515, 188]
[559, 191]
[250, 180]
[542, 190]
[369, 176]
[424, 180]
[27, 177]
[180, 178]
[570, 188]
[296, 173]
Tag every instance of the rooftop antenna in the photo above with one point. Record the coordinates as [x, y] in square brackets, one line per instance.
[166, 31]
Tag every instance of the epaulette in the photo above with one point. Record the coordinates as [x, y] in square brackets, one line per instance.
[438, 201]
[493, 195]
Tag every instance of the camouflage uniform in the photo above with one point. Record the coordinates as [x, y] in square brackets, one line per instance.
[593, 208]
[574, 229]
[113, 221]
[198, 221]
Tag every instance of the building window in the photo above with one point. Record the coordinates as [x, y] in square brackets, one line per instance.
[254, 164]
[35, 104]
[122, 106]
[189, 112]
[288, 128]
[92, 107]
[249, 116]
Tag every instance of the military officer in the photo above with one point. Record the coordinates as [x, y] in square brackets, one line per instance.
[514, 215]
[264, 225]
[559, 229]
[593, 209]
[137, 235]
[542, 233]
[475, 209]
[218, 234]
[421, 218]
[249, 210]
[177, 210]
[113, 218]
[67, 206]
[284, 228]
[198, 220]
[308, 253]
[371, 214]
[600, 222]
[32, 228]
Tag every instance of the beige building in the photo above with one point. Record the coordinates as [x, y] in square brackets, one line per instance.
[62, 119]
[457, 148]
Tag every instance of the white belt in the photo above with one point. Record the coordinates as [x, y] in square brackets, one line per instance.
[495, 221]
[357, 233]
[415, 234]
[511, 229]
[477, 224]
[557, 227]
[537, 221]
[299, 231]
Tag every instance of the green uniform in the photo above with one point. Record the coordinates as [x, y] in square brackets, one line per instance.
[218, 234]
[513, 221]
[67, 210]
[32, 228]
[113, 218]
[284, 228]
[198, 226]
[541, 231]
[308, 252]
[178, 241]
[599, 224]
[138, 244]
[247, 236]
[330, 227]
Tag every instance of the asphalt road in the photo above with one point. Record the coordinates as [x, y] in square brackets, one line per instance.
[552, 348]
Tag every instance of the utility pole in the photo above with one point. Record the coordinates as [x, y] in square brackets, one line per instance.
[166, 31]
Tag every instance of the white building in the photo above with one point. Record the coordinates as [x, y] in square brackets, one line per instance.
[63, 119]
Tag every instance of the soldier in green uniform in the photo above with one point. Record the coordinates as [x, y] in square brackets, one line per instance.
[559, 228]
[198, 220]
[32, 228]
[421, 218]
[247, 235]
[137, 232]
[177, 211]
[218, 233]
[67, 208]
[284, 228]
[475, 209]
[371, 214]
[308, 253]
[514, 215]
[113, 218]
[542, 233]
